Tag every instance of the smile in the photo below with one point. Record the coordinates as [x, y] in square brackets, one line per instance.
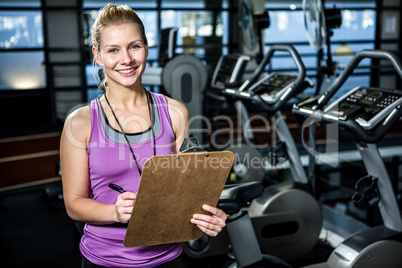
[127, 71]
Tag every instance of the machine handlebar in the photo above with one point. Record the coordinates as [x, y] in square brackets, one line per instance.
[376, 130]
[298, 85]
[351, 66]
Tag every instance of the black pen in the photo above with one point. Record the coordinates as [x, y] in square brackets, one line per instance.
[116, 188]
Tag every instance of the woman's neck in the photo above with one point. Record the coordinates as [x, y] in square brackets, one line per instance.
[127, 98]
[128, 111]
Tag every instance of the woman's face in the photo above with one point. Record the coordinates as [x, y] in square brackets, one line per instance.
[122, 54]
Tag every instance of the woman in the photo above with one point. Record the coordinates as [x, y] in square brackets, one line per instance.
[110, 140]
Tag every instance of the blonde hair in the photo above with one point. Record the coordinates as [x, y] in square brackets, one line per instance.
[114, 15]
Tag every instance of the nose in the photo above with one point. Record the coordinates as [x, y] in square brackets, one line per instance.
[126, 57]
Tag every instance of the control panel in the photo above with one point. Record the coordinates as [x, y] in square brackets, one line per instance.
[367, 106]
[230, 69]
[273, 86]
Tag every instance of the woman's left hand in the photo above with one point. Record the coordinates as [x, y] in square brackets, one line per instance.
[210, 224]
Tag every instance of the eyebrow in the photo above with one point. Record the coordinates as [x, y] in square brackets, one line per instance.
[131, 43]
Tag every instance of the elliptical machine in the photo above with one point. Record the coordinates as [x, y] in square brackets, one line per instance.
[286, 218]
[364, 115]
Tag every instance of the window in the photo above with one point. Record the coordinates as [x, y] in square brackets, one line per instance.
[22, 70]
[23, 80]
[21, 49]
[20, 3]
[195, 29]
[357, 32]
[96, 4]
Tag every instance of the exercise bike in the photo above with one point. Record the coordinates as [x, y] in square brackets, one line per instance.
[364, 115]
[229, 71]
[286, 218]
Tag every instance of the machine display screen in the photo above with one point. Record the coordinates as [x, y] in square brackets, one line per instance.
[365, 104]
[273, 84]
[271, 87]
[225, 72]
[230, 68]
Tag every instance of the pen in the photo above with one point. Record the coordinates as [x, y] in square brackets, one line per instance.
[116, 188]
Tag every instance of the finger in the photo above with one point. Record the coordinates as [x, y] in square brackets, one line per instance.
[215, 211]
[125, 218]
[128, 196]
[207, 228]
[214, 221]
[208, 222]
[124, 214]
[208, 231]
[128, 205]
[203, 225]
[125, 210]
[126, 199]
[211, 209]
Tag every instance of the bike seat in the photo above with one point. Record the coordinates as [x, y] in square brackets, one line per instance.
[234, 196]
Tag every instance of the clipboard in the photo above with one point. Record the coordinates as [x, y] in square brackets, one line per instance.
[172, 189]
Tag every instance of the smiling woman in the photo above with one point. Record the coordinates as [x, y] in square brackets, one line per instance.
[110, 140]
[122, 55]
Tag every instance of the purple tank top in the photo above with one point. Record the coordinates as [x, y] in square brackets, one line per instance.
[110, 161]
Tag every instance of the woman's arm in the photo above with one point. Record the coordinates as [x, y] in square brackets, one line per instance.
[75, 176]
[180, 122]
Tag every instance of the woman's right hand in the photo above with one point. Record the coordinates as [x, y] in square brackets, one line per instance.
[124, 206]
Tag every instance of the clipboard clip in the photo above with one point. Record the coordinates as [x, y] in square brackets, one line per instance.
[190, 144]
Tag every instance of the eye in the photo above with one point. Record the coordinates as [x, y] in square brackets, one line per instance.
[112, 50]
[135, 46]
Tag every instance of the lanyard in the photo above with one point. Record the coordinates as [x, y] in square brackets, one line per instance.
[125, 136]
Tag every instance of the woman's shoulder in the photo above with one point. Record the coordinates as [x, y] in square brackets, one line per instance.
[179, 116]
[177, 107]
[80, 115]
[78, 124]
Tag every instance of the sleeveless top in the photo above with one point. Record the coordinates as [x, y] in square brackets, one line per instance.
[110, 161]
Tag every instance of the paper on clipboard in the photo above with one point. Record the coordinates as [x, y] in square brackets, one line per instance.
[172, 189]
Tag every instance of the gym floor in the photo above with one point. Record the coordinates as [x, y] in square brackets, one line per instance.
[35, 230]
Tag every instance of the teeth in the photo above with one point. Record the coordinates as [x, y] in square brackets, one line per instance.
[127, 71]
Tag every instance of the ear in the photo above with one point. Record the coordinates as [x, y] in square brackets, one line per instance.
[146, 50]
[97, 56]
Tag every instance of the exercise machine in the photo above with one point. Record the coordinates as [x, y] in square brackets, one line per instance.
[183, 77]
[239, 227]
[286, 218]
[229, 72]
[364, 115]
